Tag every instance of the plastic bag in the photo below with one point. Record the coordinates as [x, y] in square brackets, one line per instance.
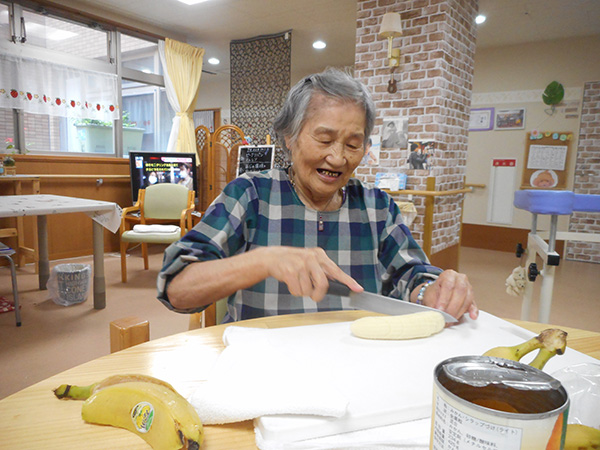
[69, 284]
[582, 383]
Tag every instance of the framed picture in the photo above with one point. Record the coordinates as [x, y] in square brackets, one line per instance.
[420, 154]
[482, 119]
[510, 119]
[394, 133]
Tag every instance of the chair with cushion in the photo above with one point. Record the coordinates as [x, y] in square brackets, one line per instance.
[158, 206]
[7, 252]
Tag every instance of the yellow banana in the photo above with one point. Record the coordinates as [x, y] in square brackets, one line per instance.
[409, 326]
[581, 437]
[160, 416]
[82, 392]
[550, 342]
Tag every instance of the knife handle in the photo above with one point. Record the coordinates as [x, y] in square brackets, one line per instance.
[337, 288]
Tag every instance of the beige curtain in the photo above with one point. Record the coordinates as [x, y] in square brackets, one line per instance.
[184, 68]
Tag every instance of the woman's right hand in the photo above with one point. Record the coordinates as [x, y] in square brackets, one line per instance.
[305, 271]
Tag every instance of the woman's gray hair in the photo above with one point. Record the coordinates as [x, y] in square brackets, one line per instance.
[332, 83]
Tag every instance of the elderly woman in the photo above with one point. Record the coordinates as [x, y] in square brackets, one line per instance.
[272, 240]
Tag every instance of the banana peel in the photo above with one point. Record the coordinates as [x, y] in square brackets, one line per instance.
[549, 342]
[73, 392]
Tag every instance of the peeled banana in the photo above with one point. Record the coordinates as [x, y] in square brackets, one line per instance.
[550, 342]
[409, 326]
[147, 406]
[581, 437]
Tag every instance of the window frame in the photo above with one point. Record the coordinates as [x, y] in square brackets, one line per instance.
[112, 66]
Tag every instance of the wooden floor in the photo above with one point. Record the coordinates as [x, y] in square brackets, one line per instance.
[54, 338]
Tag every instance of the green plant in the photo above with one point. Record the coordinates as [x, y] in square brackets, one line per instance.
[9, 161]
[553, 95]
[126, 122]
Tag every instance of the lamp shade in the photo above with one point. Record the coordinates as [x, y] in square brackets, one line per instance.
[391, 25]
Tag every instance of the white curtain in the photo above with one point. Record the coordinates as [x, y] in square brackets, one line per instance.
[41, 87]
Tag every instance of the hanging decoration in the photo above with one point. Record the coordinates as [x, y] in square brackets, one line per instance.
[552, 96]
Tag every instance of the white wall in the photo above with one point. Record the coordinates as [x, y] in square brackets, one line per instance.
[214, 93]
[516, 76]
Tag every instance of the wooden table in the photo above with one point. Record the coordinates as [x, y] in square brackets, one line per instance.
[104, 214]
[34, 419]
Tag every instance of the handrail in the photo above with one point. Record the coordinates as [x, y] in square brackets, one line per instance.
[60, 175]
[430, 193]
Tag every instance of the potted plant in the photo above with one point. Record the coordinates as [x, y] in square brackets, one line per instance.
[96, 135]
[9, 165]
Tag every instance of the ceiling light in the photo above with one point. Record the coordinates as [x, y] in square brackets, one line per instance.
[319, 45]
[480, 19]
[213, 61]
[191, 2]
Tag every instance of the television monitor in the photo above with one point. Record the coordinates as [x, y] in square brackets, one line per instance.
[148, 168]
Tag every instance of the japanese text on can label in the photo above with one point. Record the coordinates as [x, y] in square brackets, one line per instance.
[455, 430]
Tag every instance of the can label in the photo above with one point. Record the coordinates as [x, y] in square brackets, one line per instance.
[456, 430]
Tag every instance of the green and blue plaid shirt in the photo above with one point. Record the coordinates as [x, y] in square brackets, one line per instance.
[365, 238]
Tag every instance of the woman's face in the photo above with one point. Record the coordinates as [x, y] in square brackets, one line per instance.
[329, 147]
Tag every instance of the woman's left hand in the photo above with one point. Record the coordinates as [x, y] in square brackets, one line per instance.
[452, 293]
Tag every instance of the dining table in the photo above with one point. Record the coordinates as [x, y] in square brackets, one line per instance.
[103, 214]
[34, 419]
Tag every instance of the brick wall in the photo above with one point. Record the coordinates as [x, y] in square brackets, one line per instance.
[587, 175]
[434, 93]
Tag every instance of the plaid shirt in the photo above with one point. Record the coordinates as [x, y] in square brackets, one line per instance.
[365, 237]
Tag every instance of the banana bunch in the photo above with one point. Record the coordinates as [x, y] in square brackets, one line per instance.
[550, 342]
[147, 406]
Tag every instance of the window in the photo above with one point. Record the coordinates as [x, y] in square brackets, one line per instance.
[78, 95]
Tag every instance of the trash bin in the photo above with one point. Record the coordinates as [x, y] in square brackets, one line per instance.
[69, 284]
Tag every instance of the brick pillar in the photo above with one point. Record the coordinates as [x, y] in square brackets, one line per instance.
[434, 92]
[587, 175]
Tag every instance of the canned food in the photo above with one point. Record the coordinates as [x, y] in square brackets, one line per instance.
[486, 403]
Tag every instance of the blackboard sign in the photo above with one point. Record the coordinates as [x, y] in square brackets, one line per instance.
[255, 158]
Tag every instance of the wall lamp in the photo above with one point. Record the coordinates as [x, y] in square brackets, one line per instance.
[391, 27]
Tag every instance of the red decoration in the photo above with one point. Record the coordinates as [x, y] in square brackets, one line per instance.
[112, 108]
[72, 103]
[45, 99]
[58, 102]
[14, 94]
[98, 107]
[29, 96]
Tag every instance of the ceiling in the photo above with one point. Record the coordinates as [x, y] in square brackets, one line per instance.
[214, 23]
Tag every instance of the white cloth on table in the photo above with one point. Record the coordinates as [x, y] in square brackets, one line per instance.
[155, 228]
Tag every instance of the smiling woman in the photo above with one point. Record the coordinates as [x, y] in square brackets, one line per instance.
[272, 240]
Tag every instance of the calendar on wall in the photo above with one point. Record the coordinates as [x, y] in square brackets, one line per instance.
[546, 160]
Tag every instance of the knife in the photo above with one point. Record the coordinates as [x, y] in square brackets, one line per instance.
[381, 304]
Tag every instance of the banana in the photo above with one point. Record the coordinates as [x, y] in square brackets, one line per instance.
[74, 392]
[550, 342]
[581, 437]
[156, 413]
[409, 326]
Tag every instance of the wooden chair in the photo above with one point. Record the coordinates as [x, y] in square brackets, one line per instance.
[157, 206]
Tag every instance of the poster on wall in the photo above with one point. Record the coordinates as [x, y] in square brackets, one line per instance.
[371, 157]
[420, 154]
[481, 119]
[395, 133]
[510, 119]
[546, 160]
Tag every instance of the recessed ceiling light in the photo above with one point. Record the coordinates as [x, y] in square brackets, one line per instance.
[213, 61]
[480, 19]
[191, 2]
[319, 45]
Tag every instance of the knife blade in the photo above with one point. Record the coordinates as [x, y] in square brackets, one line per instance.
[381, 304]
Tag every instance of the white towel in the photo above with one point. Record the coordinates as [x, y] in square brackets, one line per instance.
[252, 379]
[156, 228]
[403, 436]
